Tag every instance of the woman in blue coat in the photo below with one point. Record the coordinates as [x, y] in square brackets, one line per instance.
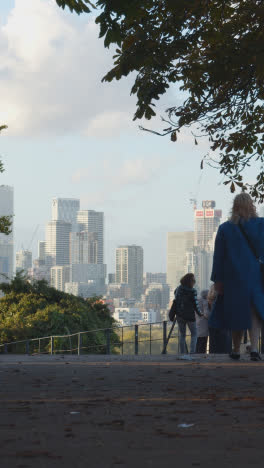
[237, 276]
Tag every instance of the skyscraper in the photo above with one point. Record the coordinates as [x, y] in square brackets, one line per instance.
[42, 251]
[65, 209]
[58, 242]
[129, 268]
[6, 242]
[206, 222]
[83, 247]
[93, 221]
[178, 243]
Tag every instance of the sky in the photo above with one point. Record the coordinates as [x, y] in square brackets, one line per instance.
[70, 135]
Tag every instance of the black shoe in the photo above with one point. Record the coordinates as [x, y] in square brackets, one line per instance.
[234, 356]
[254, 356]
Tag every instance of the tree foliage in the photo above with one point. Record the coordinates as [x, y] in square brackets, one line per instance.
[78, 6]
[214, 51]
[34, 310]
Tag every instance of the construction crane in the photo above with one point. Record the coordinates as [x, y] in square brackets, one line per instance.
[194, 196]
[33, 237]
[193, 201]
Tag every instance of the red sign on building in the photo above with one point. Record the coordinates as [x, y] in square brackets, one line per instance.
[199, 213]
[209, 213]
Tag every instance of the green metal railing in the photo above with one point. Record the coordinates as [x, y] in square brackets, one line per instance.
[136, 339]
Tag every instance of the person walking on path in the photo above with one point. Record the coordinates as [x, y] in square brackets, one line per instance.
[186, 307]
[202, 323]
[239, 250]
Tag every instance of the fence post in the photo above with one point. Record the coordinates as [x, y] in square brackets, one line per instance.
[108, 347]
[136, 339]
[27, 347]
[51, 345]
[164, 335]
[122, 340]
[5, 348]
[79, 344]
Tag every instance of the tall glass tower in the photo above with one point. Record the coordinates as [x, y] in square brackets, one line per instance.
[93, 221]
[6, 242]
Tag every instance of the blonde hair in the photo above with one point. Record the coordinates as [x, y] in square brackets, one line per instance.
[243, 208]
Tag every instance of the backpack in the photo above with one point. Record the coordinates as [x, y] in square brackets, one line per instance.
[185, 308]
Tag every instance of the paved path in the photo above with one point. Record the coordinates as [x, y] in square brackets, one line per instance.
[111, 411]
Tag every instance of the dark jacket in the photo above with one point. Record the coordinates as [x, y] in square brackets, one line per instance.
[186, 303]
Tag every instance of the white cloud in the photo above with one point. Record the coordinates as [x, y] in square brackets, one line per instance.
[137, 172]
[50, 72]
[109, 123]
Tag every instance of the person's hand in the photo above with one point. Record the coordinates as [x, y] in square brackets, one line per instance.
[219, 287]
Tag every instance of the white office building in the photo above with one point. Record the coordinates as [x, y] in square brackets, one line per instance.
[23, 260]
[59, 275]
[6, 241]
[178, 244]
[127, 316]
[93, 222]
[206, 223]
[129, 268]
[57, 246]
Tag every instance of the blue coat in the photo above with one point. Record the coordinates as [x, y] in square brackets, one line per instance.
[235, 265]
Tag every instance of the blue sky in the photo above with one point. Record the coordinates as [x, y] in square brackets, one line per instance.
[70, 135]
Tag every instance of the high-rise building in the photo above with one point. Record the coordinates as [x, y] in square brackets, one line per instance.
[87, 277]
[23, 260]
[129, 268]
[206, 222]
[6, 241]
[58, 242]
[155, 278]
[93, 221]
[83, 247]
[178, 243]
[111, 278]
[199, 262]
[42, 251]
[65, 209]
[157, 296]
[59, 276]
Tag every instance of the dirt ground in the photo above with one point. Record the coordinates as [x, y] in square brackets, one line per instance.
[103, 413]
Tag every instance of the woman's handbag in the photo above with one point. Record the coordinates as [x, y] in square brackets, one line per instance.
[173, 309]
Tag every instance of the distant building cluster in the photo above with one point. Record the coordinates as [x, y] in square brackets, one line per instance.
[71, 259]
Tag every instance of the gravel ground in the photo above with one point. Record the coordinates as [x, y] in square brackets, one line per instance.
[127, 411]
